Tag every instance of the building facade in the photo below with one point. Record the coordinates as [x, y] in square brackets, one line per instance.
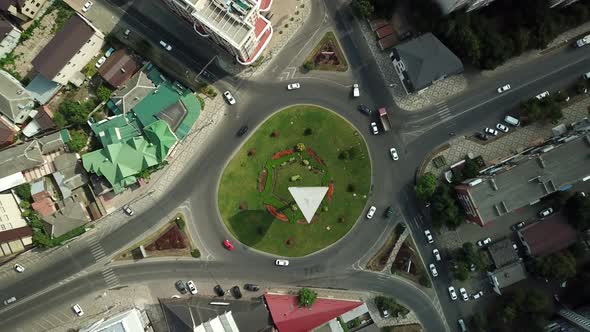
[448, 6]
[24, 10]
[235, 25]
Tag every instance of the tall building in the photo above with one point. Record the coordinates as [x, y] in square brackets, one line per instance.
[448, 6]
[235, 25]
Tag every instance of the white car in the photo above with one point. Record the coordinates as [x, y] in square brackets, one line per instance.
[128, 210]
[504, 88]
[477, 295]
[100, 61]
[393, 153]
[165, 45]
[542, 95]
[191, 287]
[436, 255]
[282, 262]
[545, 213]
[355, 90]
[428, 235]
[87, 6]
[502, 127]
[433, 270]
[10, 300]
[371, 212]
[491, 131]
[464, 294]
[484, 242]
[19, 268]
[374, 127]
[230, 99]
[452, 293]
[78, 309]
[293, 86]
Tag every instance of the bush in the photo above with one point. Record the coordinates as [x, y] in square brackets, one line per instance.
[306, 297]
[350, 188]
[24, 192]
[104, 93]
[180, 223]
[400, 228]
[78, 141]
[252, 152]
[343, 155]
[195, 253]
[274, 133]
[300, 147]
[307, 132]
[308, 65]
[201, 101]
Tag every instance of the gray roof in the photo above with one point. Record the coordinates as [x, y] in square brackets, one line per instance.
[62, 47]
[15, 101]
[426, 60]
[502, 253]
[29, 154]
[72, 215]
[132, 92]
[509, 274]
[69, 173]
[533, 177]
[354, 313]
[173, 115]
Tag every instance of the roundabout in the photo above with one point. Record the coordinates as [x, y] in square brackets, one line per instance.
[302, 146]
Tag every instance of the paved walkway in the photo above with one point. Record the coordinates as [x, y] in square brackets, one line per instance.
[508, 144]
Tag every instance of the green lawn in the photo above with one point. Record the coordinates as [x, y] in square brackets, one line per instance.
[253, 225]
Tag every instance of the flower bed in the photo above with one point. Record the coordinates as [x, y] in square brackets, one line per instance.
[271, 209]
[172, 239]
[282, 153]
[317, 158]
[330, 192]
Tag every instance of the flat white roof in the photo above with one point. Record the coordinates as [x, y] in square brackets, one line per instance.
[226, 21]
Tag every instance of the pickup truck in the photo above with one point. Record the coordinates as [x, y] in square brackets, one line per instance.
[583, 41]
[384, 119]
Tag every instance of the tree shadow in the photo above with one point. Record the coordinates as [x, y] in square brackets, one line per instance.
[251, 226]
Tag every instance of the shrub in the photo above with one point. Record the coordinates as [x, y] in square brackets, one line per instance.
[343, 155]
[252, 152]
[350, 188]
[300, 147]
[286, 25]
[306, 297]
[308, 65]
[103, 93]
[352, 153]
[341, 220]
[195, 253]
[201, 101]
[400, 228]
[78, 141]
[180, 223]
[307, 131]
[274, 133]
[24, 192]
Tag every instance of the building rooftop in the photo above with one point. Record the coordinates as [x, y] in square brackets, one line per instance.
[502, 253]
[426, 59]
[507, 275]
[550, 235]
[226, 17]
[15, 234]
[132, 92]
[72, 215]
[119, 68]
[15, 101]
[7, 133]
[62, 47]
[530, 179]
[116, 129]
[132, 320]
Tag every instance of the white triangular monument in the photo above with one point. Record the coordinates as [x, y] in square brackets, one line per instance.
[308, 199]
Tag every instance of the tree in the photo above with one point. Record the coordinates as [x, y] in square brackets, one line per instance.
[307, 132]
[461, 272]
[426, 187]
[24, 192]
[363, 8]
[78, 141]
[59, 120]
[577, 209]
[343, 155]
[470, 168]
[521, 41]
[559, 266]
[470, 255]
[300, 147]
[103, 93]
[75, 113]
[306, 297]
[444, 208]
[479, 322]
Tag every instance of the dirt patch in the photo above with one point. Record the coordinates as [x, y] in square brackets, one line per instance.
[172, 239]
[262, 180]
[378, 262]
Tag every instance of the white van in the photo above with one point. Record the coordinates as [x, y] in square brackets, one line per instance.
[512, 121]
[587, 75]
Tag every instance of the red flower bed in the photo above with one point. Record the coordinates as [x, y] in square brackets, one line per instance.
[282, 153]
[172, 239]
[271, 209]
[317, 158]
[330, 192]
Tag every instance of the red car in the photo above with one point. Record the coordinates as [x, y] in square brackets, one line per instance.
[228, 245]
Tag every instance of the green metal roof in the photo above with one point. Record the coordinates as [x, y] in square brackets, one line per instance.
[116, 129]
[154, 75]
[65, 135]
[193, 106]
[155, 102]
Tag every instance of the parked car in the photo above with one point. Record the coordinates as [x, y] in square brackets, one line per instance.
[477, 295]
[389, 212]
[355, 90]
[191, 287]
[464, 294]
[393, 153]
[472, 267]
[481, 136]
[428, 235]
[371, 212]
[100, 62]
[109, 52]
[436, 254]
[86, 6]
[364, 109]
[518, 226]
[242, 131]
[19, 268]
[504, 88]
[165, 45]
[228, 245]
[433, 270]
[502, 127]
[293, 86]
[251, 287]
[374, 128]
[452, 293]
[218, 290]
[542, 95]
[546, 212]
[491, 131]
[282, 262]
[384, 313]
[230, 99]
[127, 209]
[181, 286]
[484, 242]
[462, 326]
[236, 292]
[78, 310]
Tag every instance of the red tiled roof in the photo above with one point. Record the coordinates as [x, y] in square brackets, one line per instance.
[259, 26]
[15, 234]
[261, 43]
[40, 196]
[265, 5]
[6, 134]
[551, 235]
[45, 207]
[289, 317]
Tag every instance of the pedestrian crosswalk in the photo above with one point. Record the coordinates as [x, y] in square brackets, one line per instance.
[98, 253]
[442, 110]
[110, 277]
[96, 249]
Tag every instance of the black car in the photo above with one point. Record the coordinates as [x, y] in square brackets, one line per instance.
[482, 136]
[242, 131]
[236, 291]
[389, 212]
[251, 287]
[364, 109]
[181, 286]
[218, 290]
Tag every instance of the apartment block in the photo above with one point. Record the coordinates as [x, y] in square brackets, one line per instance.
[24, 10]
[235, 25]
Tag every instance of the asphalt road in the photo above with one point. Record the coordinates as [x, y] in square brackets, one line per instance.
[414, 135]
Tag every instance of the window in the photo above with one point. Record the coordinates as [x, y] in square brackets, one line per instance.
[3, 227]
[9, 224]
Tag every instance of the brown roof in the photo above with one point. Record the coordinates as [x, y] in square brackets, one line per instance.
[64, 45]
[6, 133]
[45, 207]
[15, 234]
[111, 69]
[43, 118]
[40, 196]
[5, 28]
[548, 236]
[5, 4]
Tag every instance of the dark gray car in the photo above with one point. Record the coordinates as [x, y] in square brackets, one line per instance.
[181, 286]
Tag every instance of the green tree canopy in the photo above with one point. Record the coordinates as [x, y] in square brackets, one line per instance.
[470, 168]
[306, 297]
[444, 208]
[78, 141]
[363, 8]
[75, 113]
[24, 192]
[103, 93]
[577, 209]
[426, 187]
[559, 266]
